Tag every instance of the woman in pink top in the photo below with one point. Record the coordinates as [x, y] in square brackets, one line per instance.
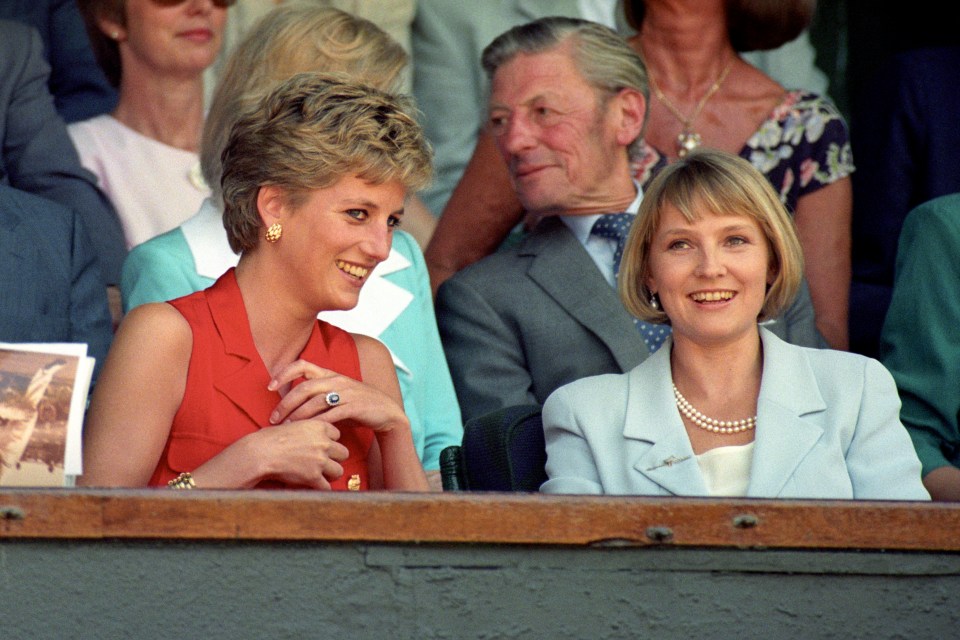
[144, 154]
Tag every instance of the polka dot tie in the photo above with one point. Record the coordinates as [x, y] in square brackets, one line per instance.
[616, 226]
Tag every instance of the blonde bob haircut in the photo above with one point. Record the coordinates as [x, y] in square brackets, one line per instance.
[308, 133]
[295, 37]
[711, 182]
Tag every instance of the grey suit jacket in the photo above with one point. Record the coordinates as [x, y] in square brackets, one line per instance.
[828, 426]
[36, 153]
[522, 322]
[50, 283]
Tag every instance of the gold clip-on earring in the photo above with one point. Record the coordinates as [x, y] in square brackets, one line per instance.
[274, 232]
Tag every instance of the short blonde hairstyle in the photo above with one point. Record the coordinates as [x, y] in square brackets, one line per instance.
[308, 133]
[711, 182]
[295, 37]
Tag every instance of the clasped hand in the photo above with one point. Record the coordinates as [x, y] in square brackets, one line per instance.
[303, 447]
[360, 403]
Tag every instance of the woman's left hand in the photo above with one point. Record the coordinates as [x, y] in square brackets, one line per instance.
[358, 401]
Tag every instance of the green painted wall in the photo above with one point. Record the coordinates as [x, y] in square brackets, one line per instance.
[215, 590]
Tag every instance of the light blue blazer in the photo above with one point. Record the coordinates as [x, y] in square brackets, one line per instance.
[828, 426]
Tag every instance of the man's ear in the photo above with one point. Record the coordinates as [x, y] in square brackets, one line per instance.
[271, 204]
[631, 111]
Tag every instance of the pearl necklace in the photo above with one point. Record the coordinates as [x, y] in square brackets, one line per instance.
[723, 427]
[688, 139]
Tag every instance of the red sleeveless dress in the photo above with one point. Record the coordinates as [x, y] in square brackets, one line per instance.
[226, 394]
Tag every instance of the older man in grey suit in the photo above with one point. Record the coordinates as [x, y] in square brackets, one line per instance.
[36, 154]
[567, 104]
[448, 40]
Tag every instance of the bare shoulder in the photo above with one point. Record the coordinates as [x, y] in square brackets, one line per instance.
[376, 364]
[372, 351]
[156, 315]
[155, 328]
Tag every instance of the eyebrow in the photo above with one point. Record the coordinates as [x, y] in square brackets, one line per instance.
[740, 227]
[359, 203]
[527, 102]
[727, 229]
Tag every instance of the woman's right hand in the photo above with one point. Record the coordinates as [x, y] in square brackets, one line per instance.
[303, 453]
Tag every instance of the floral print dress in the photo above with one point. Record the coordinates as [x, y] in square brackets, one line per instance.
[802, 146]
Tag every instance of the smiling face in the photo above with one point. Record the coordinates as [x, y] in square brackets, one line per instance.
[564, 144]
[711, 275]
[181, 39]
[333, 237]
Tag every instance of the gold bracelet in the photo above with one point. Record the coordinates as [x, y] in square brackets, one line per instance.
[182, 481]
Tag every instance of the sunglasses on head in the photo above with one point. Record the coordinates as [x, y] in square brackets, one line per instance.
[171, 3]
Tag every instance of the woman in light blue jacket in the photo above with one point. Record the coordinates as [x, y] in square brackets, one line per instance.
[725, 408]
[396, 304]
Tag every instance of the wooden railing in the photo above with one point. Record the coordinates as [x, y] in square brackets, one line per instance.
[477, 518]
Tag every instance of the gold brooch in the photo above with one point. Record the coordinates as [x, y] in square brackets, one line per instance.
[353, 484]
[669, 462]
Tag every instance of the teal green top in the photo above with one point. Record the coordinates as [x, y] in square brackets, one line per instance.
[164, 268]
[920, 343]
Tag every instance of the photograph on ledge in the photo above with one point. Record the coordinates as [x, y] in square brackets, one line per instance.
[43, 392]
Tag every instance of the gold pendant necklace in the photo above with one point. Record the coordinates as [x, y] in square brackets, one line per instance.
[688, 139]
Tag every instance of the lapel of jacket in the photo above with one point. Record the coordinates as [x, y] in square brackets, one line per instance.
[652, 419]
[14, 248]
[789, 394]
[10, 223]
[247, 381]
[564, 270]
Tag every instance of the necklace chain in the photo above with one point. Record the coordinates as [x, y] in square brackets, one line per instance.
[723, 427]
[688, 140]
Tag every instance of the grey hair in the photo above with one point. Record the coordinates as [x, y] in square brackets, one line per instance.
[603, 57]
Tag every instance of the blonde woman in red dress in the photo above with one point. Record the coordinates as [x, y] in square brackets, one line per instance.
[239, 385]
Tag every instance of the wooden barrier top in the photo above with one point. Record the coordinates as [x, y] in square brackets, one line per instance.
[481, 518]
